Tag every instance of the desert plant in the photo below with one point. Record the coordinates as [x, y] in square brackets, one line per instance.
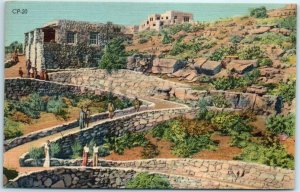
[12, 129]
[260, 12]
[278, 124]
[148, 181]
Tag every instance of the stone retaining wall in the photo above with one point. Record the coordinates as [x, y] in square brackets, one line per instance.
[80, 178]
[136, 83]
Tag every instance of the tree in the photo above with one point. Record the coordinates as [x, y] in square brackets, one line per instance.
[114, 55]
[260, 12]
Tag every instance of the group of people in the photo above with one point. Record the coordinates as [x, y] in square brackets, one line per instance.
[32, 72]
[85, 155]
[84, 117]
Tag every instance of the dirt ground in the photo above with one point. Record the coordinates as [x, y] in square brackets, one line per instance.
[14, 70]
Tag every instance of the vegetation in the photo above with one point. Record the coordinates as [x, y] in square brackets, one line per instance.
[76, 149]
[55, 149]
[236, 39]
[186, 27]
[148, 181]
[260, 12]
[12, 129]
[280, 124]
[223, 51]
[287, 90]
[274, 155]
[250, 52]
[57, 106]
[220, 101]
[264, 62]
[114, 56]
[150, 151]
[288, 23]
[167, 38]
[36, 153]
[13, 46]
[10, 173]
[226, 83]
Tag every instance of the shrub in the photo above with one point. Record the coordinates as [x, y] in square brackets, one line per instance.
[114, 56]
[36, 102]
[55, 150]
[57, 106]
[260, 12]
[223, 51]
[236, 39]
[76, 149]
[272, 38]
[252, 52]
[289, 23]
[25, 108]
[224, 83]
[265, 62]
[202, 104]
[20, 117]
[10, 173]
[272, 156]
[279, 124]
[150, 151]
[148, 181]
[36, 153]
[103, 151]
[286, 90]
[12, 129]
[167, 38]
[240, 140]
[220, 101]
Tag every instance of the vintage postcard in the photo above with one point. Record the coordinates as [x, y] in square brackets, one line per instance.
[149, 95]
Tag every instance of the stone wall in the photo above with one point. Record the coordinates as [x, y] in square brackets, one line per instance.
[136, 83]
[74, 177]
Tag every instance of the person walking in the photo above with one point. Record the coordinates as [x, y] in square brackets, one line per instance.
[28, 67]
[111, 110]
[31, 72]
[85, 155]
[47, 154]
[95, 155]
[81, 118]
[21, 72]
[87, 117]
[136, 104]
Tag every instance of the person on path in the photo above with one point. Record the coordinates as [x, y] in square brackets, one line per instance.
[95, 155]
[47, 154]
[21, 72]
[28, 67]
[85, 156]
[111, 110]
[87, 117]
[81, 118]
[136, 104]
[31, 72]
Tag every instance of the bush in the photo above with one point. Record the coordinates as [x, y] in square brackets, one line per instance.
[240, 140]
[36, 153]
[150, 151]
[286, 90]
[10, 173]
[167, 38]
[12, 129]
[202, 104]
[55, 150]
[272, 38]
[148, 181]
[289, 23]
[265, 62]
[252, 52]
[25, 108]
[236, 39]
[278, 124]
[103, 151]
[57, 106]
[114, 56]
[220, 101]
[273, 156]
[20, 117]
[223, 51]
[76, 149]
[260, 12]
[35, 102]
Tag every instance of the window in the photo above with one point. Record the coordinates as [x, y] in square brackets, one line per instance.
[161, 23]
[49, 35]
[117, 30]
[71, 37]
[167, 17]
[151, 19]
[154, 24]
[186, 19]
[157, 18]
[162, 18]
[175, 17]
[147, 22]
[94, 38]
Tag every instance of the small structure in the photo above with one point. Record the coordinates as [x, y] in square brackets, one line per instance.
[158, 21]
[241, 66]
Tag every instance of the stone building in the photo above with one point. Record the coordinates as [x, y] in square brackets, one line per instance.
[69, 44]
[158, 21]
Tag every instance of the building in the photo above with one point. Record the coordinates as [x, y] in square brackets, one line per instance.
[158, 21]
[69, 44]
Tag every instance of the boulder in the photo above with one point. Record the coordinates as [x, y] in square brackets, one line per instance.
[268, 71]
[192, 75]
[180, 93]
[260, 90]
[260, 30]
[167, 65]
[211, 67]
[198, 62]
[241, 66]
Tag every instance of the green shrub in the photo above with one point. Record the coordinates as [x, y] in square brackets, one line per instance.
[150, 151]
[236, 39]
[55, 149]
[252, 52]
[289, 23]
[167, 38]
[265, 62]
[240, 140]
[224, 83]
[10, 173]
[220, 101]
[278, 124]
[76, 149]
[36, 102]
[223, 51]
[103, 151]
[272, 38]
[202, 112]
[260, 12]
[25, 108]
[58, 107]
[286, 90]
[114, 56]
[148, 181]
[275, 155]
[36, 153]
[12, 129]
